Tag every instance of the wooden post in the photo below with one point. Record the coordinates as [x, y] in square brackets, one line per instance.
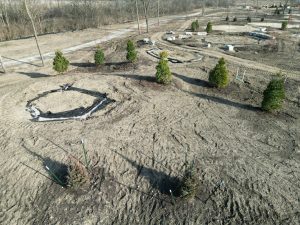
[137, 15]
[34, 30]
[2, 64]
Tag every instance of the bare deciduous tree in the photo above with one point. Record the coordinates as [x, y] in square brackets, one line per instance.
[285, 6]
[34, 30]
[158, 12]
[146, 4]
[138, 16]
[6, 19]
[70, 15]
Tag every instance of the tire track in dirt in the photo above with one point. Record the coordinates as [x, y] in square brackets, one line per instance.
[265, 170]
[155, 129]
[241, 208]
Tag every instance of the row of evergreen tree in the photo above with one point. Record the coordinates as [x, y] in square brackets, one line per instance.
[273, 96]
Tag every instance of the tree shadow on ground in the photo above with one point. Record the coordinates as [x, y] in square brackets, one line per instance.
[136, 77]
[22, 62]
[193, 81]
[34, 75]
[118, 63]
[106, 67]
[83, 65]
[89, 64]
[217, 99]
[57, 172]
[225, 101]
[159, 180]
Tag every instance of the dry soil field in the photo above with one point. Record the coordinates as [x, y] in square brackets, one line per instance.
[247, 160]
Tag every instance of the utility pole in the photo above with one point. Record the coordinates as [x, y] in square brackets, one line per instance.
[34, 30]
[203, 7]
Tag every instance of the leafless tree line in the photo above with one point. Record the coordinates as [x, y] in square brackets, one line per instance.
[73, 15]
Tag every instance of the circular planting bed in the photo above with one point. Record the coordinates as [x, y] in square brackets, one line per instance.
[66, 103]
[175, 56]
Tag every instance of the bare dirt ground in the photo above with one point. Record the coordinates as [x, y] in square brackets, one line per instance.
[248, 160]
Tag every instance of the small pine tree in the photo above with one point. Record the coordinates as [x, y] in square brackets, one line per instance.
[209, 27]
[273, 95]
[249, 19]
[234, 19]
[60, 63]
[163, 73]
[284, 25]
[131, 52]
[262, 19]
[227, 18]
[195, 26]
[190, 183]
[163, 55]
[218, 77]
[99, 57]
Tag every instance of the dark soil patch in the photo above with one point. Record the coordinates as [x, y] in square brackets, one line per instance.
[107, 67]
[111, 67]
[151, 84]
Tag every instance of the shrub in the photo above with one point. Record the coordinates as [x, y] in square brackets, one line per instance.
[249, 19]
[218, 77]
[131, 52]
[163, 73]
[78, 174]
[190, 183]
[234, 19]
[273, 95]
[227, 18]
[99, 57]
[284, 25]
[262, 19]
[209, 27]
[195, 26]
[60, 63]
[163, 55]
